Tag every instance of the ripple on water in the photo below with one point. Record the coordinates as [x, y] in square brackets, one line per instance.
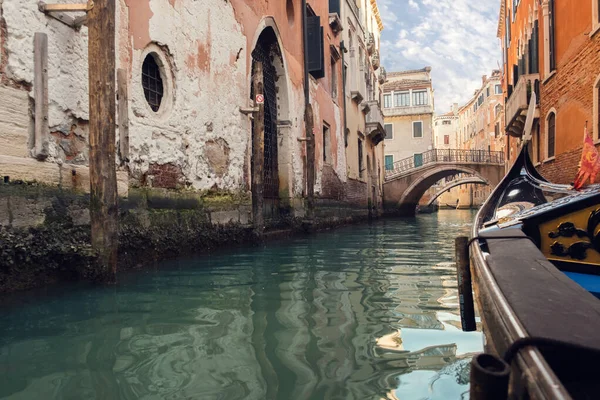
[364, 312]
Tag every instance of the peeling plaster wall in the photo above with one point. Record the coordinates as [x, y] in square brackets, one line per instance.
[198, 139]
[206, 80]
[67, 74]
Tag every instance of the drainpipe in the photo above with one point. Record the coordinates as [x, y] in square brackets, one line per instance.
[309, 122]
[344, 50]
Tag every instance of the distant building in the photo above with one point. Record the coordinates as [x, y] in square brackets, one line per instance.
[445, 128]
[408, 107]
[551, 48]
[479, 127]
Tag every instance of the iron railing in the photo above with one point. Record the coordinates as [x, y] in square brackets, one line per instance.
[444, 156]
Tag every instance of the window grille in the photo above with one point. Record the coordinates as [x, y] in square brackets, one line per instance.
[152, 82]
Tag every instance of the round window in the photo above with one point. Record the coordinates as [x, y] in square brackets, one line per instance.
[152, 82]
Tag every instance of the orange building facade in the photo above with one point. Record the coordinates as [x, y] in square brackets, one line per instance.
[552, 48]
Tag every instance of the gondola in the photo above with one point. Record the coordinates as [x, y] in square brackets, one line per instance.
[535, 270]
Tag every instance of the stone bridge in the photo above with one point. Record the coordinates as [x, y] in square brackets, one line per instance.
[454, 183]
[407, 180]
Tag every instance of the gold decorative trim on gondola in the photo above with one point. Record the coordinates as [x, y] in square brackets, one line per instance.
[573, 237]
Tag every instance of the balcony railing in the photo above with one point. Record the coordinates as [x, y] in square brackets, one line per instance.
[518, 102]
[444, 156]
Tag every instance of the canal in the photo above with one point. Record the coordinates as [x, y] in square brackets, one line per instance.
[362, 312]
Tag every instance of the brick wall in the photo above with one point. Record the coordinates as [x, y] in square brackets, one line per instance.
[563, 168]
[332, 186]
[357, 192]
[571, 93]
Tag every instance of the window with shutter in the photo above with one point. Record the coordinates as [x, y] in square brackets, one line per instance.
[334, 7]
[316, 64]
[402, 99]
[418, 129]
[387, 101]
[534, 49]
[389, 162]
[389, 131]
[552, 44]
[446, 139]
[420, 98]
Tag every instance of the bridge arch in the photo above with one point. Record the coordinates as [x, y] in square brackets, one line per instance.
[416, 190]
[407, 181]
[454, 183]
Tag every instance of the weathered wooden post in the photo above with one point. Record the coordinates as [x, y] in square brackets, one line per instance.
[258, 150]
[103, 177]
[40, 93]
[310, 165]
[465, 287]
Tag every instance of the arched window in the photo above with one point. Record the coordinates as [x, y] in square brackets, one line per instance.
[550, 135]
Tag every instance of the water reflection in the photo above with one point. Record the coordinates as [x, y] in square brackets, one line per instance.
[360, 313]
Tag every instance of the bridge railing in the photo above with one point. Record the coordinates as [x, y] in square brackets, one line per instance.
[444, 155]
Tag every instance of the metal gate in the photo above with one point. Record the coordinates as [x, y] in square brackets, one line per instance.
[264, 52]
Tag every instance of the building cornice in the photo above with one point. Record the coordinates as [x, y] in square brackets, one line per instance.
[377, 15]
[501, 18]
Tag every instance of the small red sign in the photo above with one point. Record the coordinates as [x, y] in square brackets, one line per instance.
[260, 99]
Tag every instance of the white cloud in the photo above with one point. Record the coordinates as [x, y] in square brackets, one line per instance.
[457, 38]
[413, 4]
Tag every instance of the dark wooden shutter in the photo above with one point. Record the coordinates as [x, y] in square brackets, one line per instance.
[334, 7]
[316, 62]
[534, 49]
[551, 134]
[552, 44]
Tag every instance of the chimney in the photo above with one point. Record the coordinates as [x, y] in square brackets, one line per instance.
[483, 79]
[455, 108]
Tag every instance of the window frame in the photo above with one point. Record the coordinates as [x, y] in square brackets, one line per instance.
[417, 93]
[385, 103]
[496, 89]
[386, 164]
[361, 156]
[326, 144]
[595, 17]
[386, 136]
[334, 79]
[413, 129]
[158, 93]
[446, 140]
[401, 94]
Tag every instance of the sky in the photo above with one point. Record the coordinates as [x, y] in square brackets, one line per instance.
[457, 38]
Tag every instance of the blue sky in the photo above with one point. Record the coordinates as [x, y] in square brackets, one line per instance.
[457, 38]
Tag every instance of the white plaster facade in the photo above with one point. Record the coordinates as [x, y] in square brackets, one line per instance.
[408, 101]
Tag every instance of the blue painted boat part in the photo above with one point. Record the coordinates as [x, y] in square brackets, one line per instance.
[591, 283]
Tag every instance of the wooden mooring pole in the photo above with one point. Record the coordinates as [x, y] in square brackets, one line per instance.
[103, 176]
[258, 150]
[310, 165]
[465, 287]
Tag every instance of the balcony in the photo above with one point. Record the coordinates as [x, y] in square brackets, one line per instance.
[375, 60]
[411, 110]
[370, 41]
[382, 76]
[518, 103]
[374, 123]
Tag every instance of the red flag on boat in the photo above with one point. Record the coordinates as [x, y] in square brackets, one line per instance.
[589, 164]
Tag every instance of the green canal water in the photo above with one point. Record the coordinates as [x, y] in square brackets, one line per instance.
[363, 312]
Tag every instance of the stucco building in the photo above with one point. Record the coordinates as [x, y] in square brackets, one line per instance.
[408, 107]
[444, 129]
[187, 69]
[479, 127]
[552, 48]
